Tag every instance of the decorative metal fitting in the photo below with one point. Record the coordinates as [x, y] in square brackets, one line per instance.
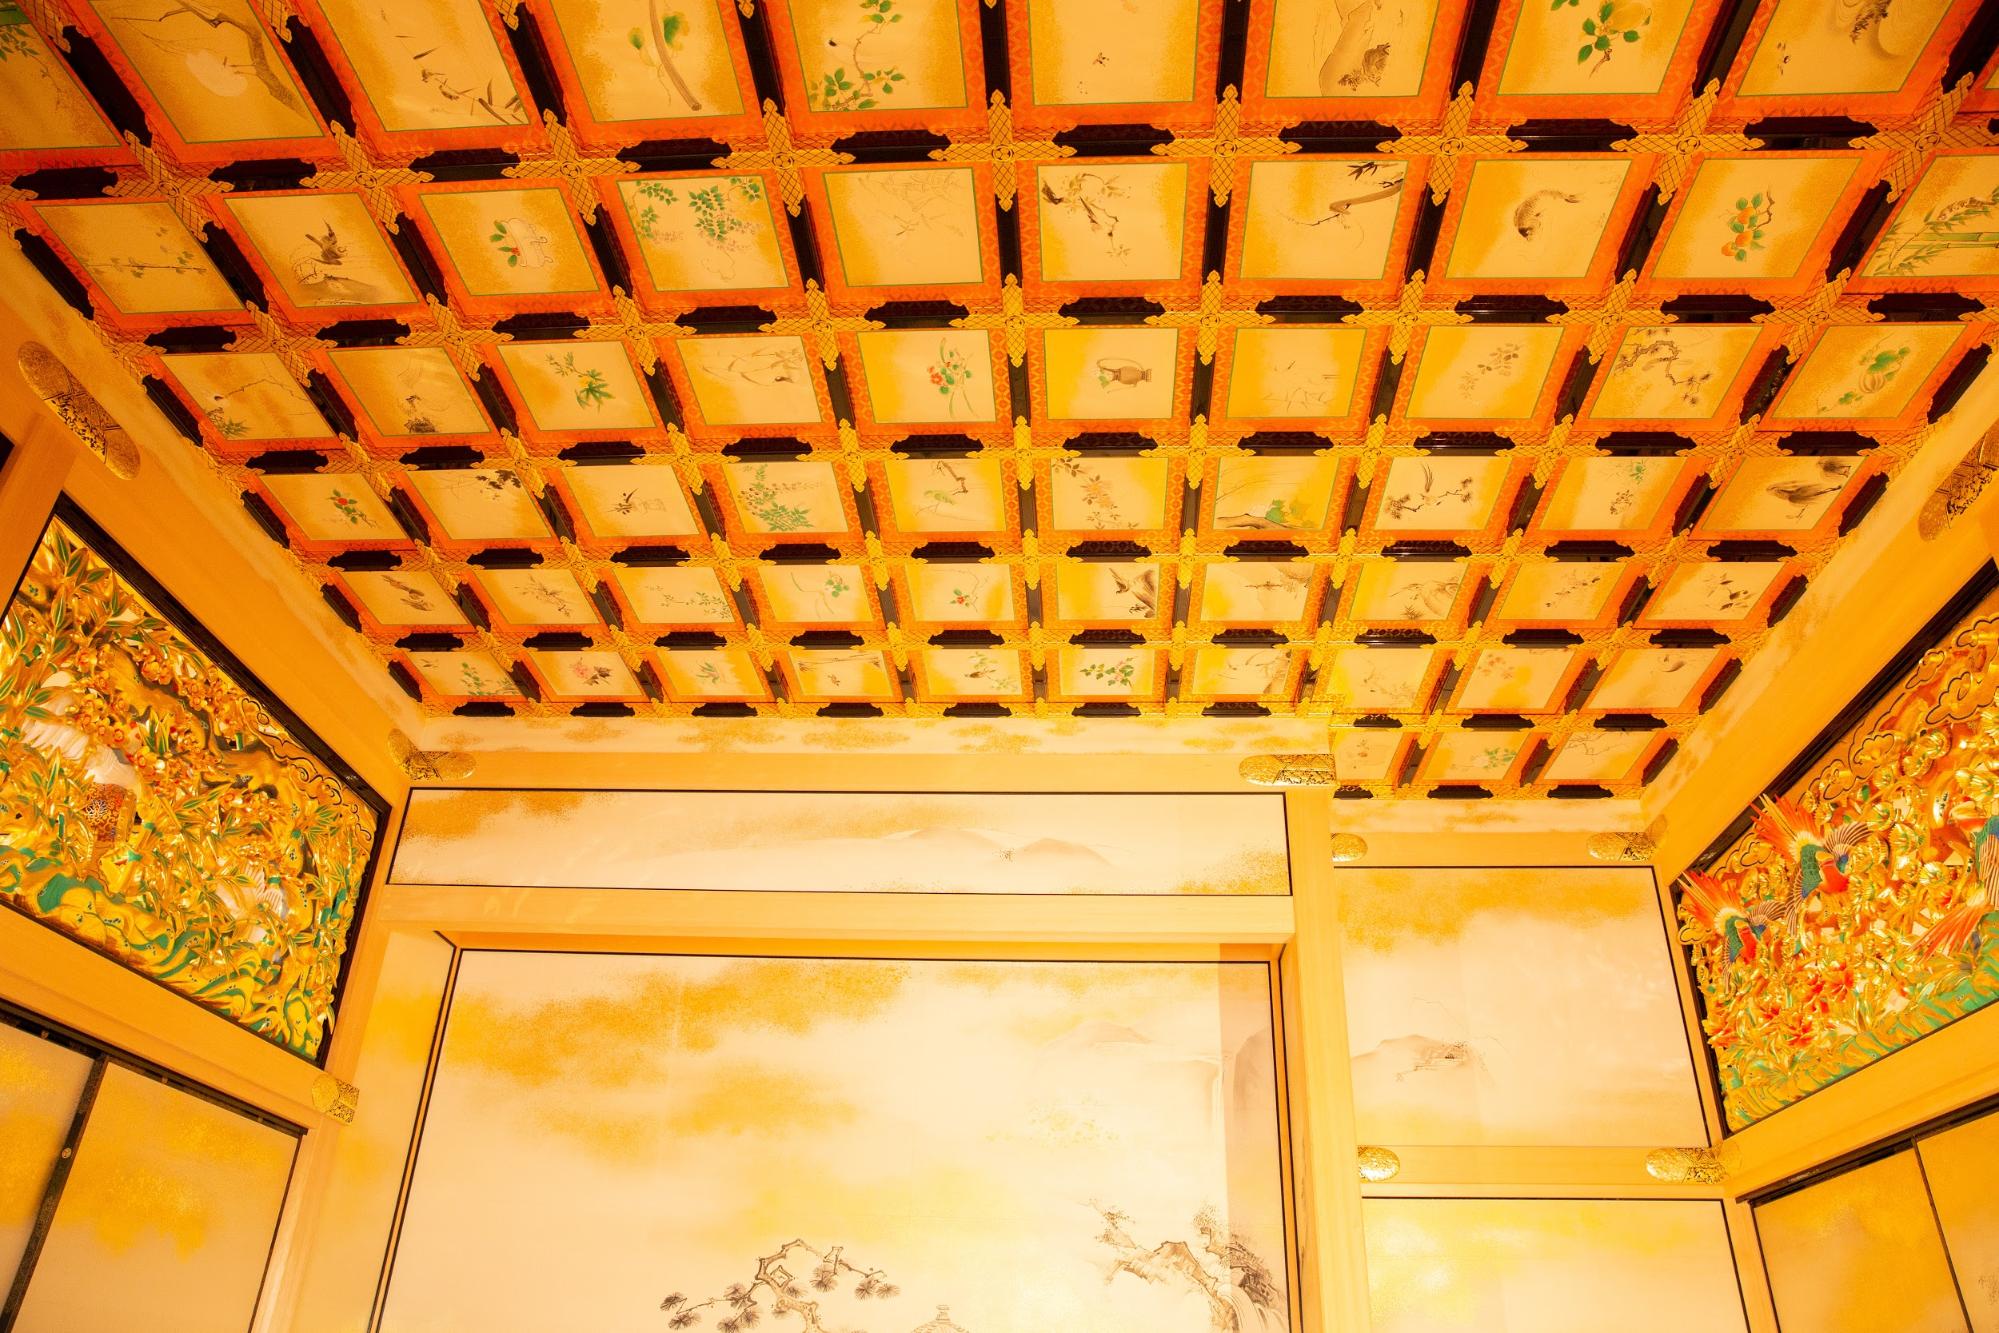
[335, 1097]
[1632, 849]
[1685, 1166]
[77, 408]
[1289, 770]
[1378, 1164]
[1960, 488]
[428, 765]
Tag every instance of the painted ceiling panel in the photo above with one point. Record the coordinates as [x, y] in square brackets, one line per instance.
[1461, 360]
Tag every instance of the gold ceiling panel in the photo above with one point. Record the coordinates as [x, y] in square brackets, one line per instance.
[1485, 378]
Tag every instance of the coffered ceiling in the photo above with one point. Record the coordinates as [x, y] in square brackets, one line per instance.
[1485, 379]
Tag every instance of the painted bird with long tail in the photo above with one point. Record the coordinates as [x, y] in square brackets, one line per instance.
[1810, 866]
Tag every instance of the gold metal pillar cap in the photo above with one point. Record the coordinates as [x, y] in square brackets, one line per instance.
[1623, 848]
[1378, 1164]
[335, 1097]
[1685, 1166]
[1289, 770]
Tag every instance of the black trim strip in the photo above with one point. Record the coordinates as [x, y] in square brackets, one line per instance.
[45, 1215]
[1875, 1151]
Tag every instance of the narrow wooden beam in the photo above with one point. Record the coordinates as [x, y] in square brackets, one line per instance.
[1332, 1251]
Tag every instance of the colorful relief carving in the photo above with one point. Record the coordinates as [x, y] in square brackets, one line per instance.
[155, 811]
[1858, 914]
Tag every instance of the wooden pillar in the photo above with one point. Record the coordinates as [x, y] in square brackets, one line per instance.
[29, 484]
[1742, 1239]
[1332, 1254]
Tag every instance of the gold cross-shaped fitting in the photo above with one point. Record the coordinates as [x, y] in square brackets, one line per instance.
[447, 332]
[635, 328]
[1014, 319]
[1603, 315]
[376, 185]
[159, 175]
[821, 324]
[1689, 138]
[1217, 311]
[293, 349]
[1224, 145]
[1452, 141]
[778, 155]
[1803, 316]
[570, 164]
[1411, 312]
[1935, 127]
[1000, 148]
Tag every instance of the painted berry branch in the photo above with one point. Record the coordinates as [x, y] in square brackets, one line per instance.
[864, 91]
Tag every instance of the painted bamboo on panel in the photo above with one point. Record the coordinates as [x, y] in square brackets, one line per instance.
[154, 810]
[1514, 1007]
[848, 1144]
[937, 842]
[1550, 1266]
[1858, 914]
[167, 1217]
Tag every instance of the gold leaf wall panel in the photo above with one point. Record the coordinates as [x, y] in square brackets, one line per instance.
[337, 1291]
[40, 1083]
[167, 1218]
[842, 1143]
[854, 842]
[1860, 1251]
[1549, 1266]
[1470, 993]
[1961, 1167]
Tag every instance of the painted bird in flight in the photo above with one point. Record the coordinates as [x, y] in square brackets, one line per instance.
[1717, 906]
[1959, 929]
[1816, 866]
[1810, 866]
